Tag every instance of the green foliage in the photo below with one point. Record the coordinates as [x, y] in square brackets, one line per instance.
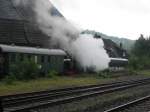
[131, 71]
[105, 74]
[52, 74]
[24, 70]
[141, 47]
[133, 63]
[140, 57]
[140, 63]
[9, 79]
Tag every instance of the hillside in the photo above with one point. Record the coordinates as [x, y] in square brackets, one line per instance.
[127, 43]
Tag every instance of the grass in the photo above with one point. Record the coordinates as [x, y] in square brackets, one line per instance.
[48, 83]
[59, 82]
[144, 72]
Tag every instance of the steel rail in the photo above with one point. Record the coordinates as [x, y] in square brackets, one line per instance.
[14, 101]
[24, 95]
[129, 104]
[76, 98]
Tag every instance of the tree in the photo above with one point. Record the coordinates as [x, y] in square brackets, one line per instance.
[140, 46]
[141, 52]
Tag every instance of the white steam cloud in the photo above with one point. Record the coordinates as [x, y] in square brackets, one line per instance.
[60, 31]
[90, 52]
[87, 50]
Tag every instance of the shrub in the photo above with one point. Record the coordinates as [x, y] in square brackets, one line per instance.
[133, 63]
[24, 70]
[9, 79]
[52, 74]
[140, 63]
[131, 71]
[105, 74]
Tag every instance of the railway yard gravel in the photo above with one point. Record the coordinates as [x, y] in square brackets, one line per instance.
[102, 102]
[114, 99]
[141, 107]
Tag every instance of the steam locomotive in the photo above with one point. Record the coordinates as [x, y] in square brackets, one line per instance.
[115, 64]
[48, 59]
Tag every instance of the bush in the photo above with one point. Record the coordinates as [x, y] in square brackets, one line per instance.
[131, 71]
[52, 74]
[133, 63]
[139, 62]
[9, 79]
[24, 70]
[105, 74]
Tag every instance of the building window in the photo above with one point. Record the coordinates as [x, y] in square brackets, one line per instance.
[42, 59]
[49, 59]
[1, 59]
[21, 57]
[36, 59]
[29, 56]
[13, 57]
[124, 54]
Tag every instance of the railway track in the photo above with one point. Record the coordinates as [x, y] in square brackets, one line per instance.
[30, 101]
[133, 106]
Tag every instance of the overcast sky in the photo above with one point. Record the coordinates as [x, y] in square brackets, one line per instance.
[122, 18]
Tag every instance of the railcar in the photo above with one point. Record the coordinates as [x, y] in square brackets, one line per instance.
[47, 59]
[115, 64]
[118, 62]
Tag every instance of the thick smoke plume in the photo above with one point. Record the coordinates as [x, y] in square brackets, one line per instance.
[90, 52]
[87, 50]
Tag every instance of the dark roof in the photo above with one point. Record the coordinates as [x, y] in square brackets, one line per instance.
[21, 33]
[7, 10]
[113, 49]
[10, 10]
[17, 24]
